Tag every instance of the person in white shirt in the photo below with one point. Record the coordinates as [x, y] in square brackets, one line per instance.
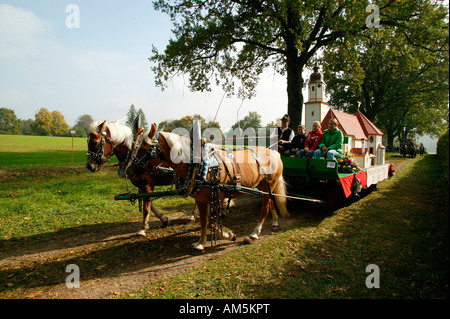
[284, 134]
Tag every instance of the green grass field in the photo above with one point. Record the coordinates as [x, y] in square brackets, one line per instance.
[25, 152]
[402, 227]
[41, 192]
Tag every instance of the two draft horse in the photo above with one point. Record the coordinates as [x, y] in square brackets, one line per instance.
[117, 139]
[262, 171]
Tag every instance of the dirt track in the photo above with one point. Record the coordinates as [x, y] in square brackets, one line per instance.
[114, 261]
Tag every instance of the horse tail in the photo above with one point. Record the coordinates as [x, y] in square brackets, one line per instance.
[280, 201]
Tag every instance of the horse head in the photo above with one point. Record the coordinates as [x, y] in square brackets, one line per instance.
[100, 147]
[146, 155]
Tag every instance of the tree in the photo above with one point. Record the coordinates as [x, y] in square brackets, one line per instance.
[131, 115]
[186, 123]
[84, 122]
[27, 127]
[144, 122]
[79, 131]
[59, 125]
[230, 43]
[9, 124]
[253, 119]
[245, 131]
[43, 121]
[49, 124]
[401, 79]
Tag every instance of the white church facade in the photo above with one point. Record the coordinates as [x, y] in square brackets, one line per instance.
[361, 137]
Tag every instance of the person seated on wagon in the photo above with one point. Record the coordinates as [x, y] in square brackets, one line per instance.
[284, 134]
[312, 141]
[331, 144]
[297, 143]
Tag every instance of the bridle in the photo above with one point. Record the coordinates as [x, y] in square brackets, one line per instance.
[153, 152]
[100, 154]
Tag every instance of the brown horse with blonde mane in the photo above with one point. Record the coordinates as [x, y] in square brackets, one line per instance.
[107, 139]
[259, 168]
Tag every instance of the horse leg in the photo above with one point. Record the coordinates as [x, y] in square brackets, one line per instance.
[203, 211]
[229, 235]
[164, 219]
[145, 211]
[224, 203]
[264, 211]
[194, 214]
[275, 224]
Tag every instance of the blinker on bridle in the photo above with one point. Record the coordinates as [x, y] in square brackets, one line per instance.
[153, 152]
[100, 154]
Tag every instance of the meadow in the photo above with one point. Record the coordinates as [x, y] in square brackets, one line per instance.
[50, 208]
[27, 152]
[41, 192]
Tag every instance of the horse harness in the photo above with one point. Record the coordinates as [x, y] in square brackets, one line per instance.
[100, 154]
[197, 172]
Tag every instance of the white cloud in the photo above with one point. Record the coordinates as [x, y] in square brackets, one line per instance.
[22, 33]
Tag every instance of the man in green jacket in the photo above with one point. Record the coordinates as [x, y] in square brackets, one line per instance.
[331, 144]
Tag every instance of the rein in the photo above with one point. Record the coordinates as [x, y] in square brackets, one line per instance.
[102, 159]
[196, 175]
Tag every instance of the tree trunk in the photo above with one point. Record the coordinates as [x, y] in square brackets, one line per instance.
[295, 96]
[390, 135]
[294, 67]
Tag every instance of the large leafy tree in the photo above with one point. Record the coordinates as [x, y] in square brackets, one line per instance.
[231, 42]
[400, 78]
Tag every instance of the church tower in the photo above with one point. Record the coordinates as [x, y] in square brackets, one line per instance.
[316, 108]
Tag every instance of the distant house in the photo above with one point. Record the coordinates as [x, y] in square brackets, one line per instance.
[364, 138]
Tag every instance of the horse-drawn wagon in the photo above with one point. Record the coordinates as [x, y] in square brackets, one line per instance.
[324, 181]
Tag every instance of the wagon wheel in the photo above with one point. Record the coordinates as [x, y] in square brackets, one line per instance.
[332, 197]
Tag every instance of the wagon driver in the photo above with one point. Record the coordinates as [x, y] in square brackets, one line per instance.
[284, 134]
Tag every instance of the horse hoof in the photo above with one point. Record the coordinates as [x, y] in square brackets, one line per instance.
[165, 223]
[275, 227]
[248, 240]
[233, 238]
[141, 233]
[254, 237]
[199, 247]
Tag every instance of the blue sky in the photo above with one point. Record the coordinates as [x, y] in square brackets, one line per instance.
[102, 67]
